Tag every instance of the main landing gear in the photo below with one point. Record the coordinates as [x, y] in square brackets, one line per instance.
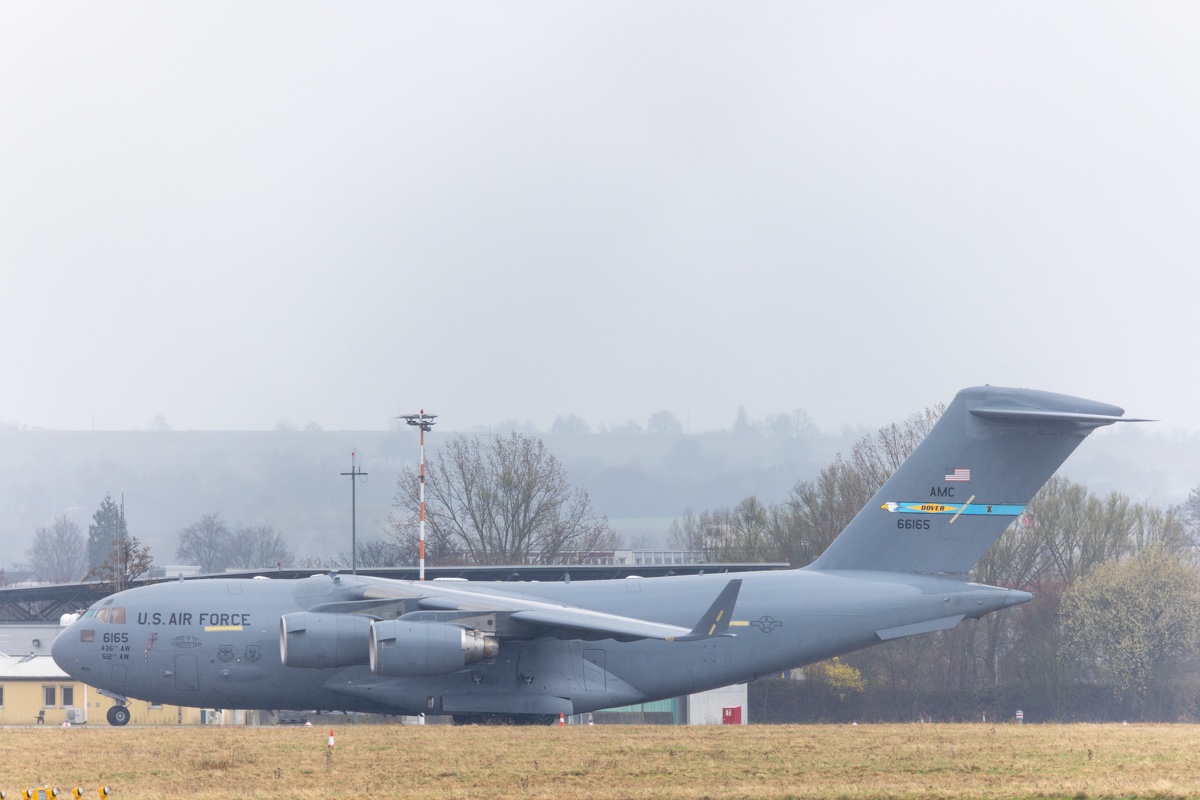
[118, 716]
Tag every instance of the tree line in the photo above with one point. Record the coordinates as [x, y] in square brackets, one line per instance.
[665, 424]
[61, 553]
[1114, 629]
[491, 500]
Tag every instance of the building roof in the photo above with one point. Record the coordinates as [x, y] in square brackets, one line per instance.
[30, 668]
[26, 639]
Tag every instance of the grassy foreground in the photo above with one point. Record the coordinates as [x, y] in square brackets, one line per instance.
[918, 761]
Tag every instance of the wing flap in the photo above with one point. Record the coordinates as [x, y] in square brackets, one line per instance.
[714, 621]
[599, 622]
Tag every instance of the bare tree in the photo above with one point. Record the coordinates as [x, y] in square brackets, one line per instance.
[1188, 513]
[253, 546]
[664, 423]
[1155, 527]
[1067, 531]
[374, 553]
[58, 553]
[687, 531]
[741, 533]
[799, 529]
[873, 459]
[504, 502]
[570, 425]
[796, 425]
[817, 511]
[205, 542]
[128, 559]
[379, 553]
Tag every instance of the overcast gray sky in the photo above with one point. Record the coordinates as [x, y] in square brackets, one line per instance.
[233, 214]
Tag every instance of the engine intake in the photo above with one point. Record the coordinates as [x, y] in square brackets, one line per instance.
[402, 649]
[323, 641]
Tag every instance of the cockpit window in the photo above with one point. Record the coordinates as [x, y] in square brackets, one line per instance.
[91, 612]
[113, 616]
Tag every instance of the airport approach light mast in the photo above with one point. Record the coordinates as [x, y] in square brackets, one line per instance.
[425, 422]
[354, 474]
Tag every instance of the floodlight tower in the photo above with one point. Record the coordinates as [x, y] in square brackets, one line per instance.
[425, 423]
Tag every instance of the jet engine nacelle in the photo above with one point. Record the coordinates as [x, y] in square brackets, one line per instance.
[320, 641]
[402, 649]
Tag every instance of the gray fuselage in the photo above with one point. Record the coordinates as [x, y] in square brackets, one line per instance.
[216, 643]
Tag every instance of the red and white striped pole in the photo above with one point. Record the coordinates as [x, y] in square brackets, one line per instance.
[425, 423]
[422, 490]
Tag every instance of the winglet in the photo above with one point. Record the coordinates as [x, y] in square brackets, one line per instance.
[715, 621]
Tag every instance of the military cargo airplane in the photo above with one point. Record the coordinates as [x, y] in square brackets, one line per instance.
[532, 651]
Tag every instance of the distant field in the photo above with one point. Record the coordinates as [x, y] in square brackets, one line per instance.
[918, 761]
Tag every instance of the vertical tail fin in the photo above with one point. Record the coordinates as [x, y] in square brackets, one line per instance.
[990, 452]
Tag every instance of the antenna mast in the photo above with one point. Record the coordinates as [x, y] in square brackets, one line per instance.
[354, 473]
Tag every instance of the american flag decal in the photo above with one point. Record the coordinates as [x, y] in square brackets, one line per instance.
[958, 474]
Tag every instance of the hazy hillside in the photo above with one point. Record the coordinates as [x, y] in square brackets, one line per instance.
[291, 479]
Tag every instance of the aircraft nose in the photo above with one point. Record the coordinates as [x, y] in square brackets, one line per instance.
[60, 649]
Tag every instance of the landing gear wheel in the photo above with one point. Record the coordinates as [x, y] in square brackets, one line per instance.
[118, 716]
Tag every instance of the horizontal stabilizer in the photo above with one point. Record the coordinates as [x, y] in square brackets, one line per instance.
[943, 624]
[1041, 415]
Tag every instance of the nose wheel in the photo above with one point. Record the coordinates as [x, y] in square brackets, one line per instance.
[118, 716]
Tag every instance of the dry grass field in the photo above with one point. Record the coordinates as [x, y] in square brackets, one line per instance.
[864, 761]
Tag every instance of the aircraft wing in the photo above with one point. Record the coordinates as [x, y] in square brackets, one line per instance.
[713, 622]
